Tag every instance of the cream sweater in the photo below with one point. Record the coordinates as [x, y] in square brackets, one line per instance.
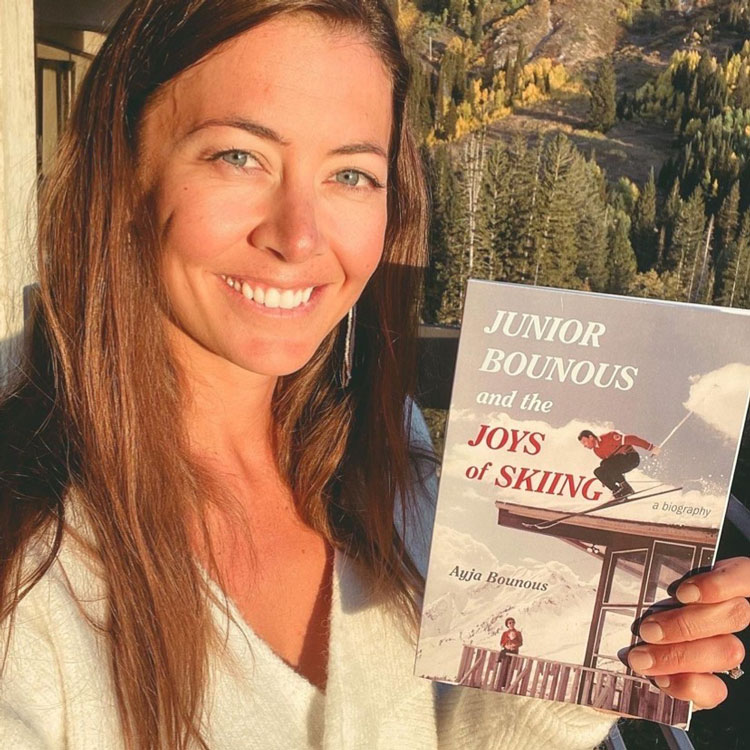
[56, 691]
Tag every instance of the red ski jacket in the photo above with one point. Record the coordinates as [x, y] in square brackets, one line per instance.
[613, 443]
[511, 640]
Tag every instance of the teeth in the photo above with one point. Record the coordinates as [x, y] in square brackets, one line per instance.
[271, 297]
[287, 299]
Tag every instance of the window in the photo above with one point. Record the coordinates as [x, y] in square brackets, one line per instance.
[670, 562]
[706, 557]
[54, 85]
[615, 633]
[625, 577]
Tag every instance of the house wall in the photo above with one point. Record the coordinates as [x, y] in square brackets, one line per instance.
[38, 80]
[17, 168]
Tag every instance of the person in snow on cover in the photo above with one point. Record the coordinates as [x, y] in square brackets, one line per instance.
[618, 455]
[511, 639]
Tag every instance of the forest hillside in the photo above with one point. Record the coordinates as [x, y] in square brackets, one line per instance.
[586, 144]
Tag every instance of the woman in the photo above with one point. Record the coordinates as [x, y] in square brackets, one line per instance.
[215, 513]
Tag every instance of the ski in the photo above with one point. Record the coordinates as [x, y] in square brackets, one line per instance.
[609, 504]
[602, 506]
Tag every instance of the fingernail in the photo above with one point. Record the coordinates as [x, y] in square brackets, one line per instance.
[662, 682]
[640, 659]
[651, 631]
[688, 593]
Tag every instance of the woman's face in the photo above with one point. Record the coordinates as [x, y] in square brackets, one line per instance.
[268, 163]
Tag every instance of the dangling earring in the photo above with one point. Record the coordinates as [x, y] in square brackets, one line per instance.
[348, 363]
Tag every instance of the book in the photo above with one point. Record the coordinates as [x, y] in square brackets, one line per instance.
[590, 446]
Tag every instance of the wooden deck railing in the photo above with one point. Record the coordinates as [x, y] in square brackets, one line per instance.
[572, 683]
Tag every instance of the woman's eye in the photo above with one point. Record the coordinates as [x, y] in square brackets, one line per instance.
[354, 178]
[235, 158]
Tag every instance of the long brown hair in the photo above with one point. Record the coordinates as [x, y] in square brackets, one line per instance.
[93, 411]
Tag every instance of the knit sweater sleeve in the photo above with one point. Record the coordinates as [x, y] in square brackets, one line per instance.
[473, 718]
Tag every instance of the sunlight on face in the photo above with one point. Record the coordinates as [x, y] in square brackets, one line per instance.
[268, 162]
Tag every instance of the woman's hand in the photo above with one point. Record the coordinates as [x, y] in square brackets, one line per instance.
[684, 646]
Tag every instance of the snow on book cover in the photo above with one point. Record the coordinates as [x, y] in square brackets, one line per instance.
[589, 452]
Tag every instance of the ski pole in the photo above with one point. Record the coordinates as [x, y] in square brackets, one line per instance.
[677, 427]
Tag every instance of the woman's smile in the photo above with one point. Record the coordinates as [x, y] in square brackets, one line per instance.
[269, 297]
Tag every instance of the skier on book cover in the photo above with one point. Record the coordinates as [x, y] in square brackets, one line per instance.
[619, 456]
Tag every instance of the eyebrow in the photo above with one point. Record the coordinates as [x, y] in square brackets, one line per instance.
[365, 147]
[268, 134]
[250, 126]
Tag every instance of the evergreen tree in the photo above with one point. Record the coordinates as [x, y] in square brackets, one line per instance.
[726, 231]
[561, 180]
[438, 172]
[604, 97]
[592, 229]
[741, 95]
[667, 175]
[687, 240]
[621, 264]
[446, 284]
[522, 55]
[442, 92]
[472, 170]
[516, 71]
[421, 102]
[644, 232]
[488, 74]
[494, 256]
[711, 87]
[660, 246]
[702, 275]
[670, 213]
[476, 27]
[521, 231]
[510, 83]
[734, 289]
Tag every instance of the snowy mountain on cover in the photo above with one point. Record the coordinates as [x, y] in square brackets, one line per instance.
[474, 612]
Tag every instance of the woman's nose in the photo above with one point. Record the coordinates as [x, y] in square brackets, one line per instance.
[289, 228]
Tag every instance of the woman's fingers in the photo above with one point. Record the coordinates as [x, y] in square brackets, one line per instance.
[705, 690]
[696, 621]
[716, 654]
[683, 646]
[729, 579]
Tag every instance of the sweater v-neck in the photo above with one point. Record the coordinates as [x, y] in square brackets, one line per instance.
[261, 648]
[368, 682]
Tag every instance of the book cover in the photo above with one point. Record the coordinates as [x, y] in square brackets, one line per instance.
[590, 447]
